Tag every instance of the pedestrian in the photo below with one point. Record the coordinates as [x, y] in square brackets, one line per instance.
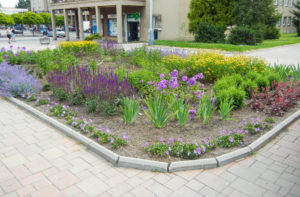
[13, 34]
[8, 33]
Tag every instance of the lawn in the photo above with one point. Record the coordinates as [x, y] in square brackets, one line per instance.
[285, 39]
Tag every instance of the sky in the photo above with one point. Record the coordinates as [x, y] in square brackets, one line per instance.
[8, 3]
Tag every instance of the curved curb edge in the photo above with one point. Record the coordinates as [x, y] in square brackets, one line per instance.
[143, 164]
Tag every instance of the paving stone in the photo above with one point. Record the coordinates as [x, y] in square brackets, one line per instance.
[159, 189]
[175, 182]
[38, 165]
[47, 191]
[296, 189]
[213, 181]
[26, 191]
[10, 185]
[271, 194]
[14, 160]
[184, 191]
[247, 188]
[267, 185]
[137, 191]
[206, 191]
[63, 179]
[52, 153]
[195, 185]
[73, 191]
[162, 178]
[88, 186]
[237, 194]
[271, 176]
[246, 173]
[120, 189]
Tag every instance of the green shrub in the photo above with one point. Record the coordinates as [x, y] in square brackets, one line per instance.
[42, 102]
[225, 109]
[46, 87]
[228, 81]
[182, 108]
[271, 76]
[207, 32]
[93, 37]
[92, 105]
[262, 82]
[232, 93]
[248, 84]
[242, 35]
[130, 109]
[252, 75]
[108, 108]
[76, 99]
[60, 94]
[140, 78]
[271, 33]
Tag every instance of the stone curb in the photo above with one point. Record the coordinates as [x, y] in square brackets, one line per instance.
[193, 165]
[263, 140]
[150, 165]
[143, 164]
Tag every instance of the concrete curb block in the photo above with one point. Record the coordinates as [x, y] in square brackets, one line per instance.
[143, 164]
[263, 140]
[233, 156]
[150, 165]
[193, 165]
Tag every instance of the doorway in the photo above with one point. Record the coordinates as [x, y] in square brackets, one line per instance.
[133, 31]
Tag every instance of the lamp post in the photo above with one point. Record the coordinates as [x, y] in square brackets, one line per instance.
[150, 31]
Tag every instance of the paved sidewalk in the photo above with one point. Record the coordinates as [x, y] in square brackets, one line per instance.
[37, 160]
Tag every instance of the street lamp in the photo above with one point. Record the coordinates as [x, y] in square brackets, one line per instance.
[150, 31]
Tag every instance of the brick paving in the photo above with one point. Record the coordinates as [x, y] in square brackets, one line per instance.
[37, 160]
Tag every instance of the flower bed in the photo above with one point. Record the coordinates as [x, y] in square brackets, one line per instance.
[144, 110]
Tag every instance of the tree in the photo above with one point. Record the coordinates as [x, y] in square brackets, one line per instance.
[46, 17]
[6, 19]
[217, 12]
[31, 18]
[296, 13]
[17, 18]
[59, 20]
[257, 14]
[23, 4]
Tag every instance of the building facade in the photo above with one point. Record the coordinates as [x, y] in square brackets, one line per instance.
[39, 6]
[10, 11]
[285, 7]
[127, 20]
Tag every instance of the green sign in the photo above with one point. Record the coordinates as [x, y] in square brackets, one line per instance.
[135, 16]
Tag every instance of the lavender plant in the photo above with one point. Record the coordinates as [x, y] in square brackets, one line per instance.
[130, 109]
[229, 139]
[15, 81]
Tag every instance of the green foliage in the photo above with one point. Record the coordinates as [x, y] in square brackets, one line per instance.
[159, 110]
[135, 78]
[182, 108]
[46, 17]
[130, 109]
[248, 85]
[31, 98]
[272, 77]
[6, 19]
[271, 32]
[252, 75]
[60, 111]
[31, 18]
[60, 94]
[17, 18]
[59, 20]
[23, 4]
[232, 93]
[46, 87]
[42, 102]
[217, 12]
[108, 108]
[93, 37]
[225, 108]
[93, 64]
[259, 14]
[104, 138]
[92, 105]
[207, 32]
[242, 35]
[206, 108]
[262, 82]
[76, 99]
[296, 13]
[295, 72]
[231, 140]
[254, 127]
[269, 120]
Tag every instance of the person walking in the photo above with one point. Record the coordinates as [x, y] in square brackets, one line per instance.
[13, 35]
[9, 34]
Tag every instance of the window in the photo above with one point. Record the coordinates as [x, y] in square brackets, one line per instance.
[157, 22]
[281, 3]
[275, 2]
[286, 3]
[279, 23]
[284, 21]
[291, 3]
[289, 21]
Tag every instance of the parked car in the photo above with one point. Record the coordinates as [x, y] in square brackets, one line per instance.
[59, 33]
[71, 28]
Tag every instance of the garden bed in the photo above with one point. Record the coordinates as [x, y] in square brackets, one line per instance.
[142, 131]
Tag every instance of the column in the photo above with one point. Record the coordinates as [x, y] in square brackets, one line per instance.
[66, 25]
[80, 21]
[53, 24]
[119, 23]
[98, 19]
[76, 24]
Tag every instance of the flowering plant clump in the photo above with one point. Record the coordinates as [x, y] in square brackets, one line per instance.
[231, 138]
[15, 81]
[60, 110]
[213, 65]
[92, 83]
[79, 47]
[177, 148]
[18, 56]
[255, 126]
[105, 136]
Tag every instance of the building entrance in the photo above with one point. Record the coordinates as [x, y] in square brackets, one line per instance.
[133, 31]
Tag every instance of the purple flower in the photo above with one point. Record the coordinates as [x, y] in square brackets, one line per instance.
[112, 140]
[197, 151]
[162, 140]
[141, 81]
[257, 129]
[24, 48]
[11, 46]
[3, 49]
[98, 139]
[162, 76]
[167, 152]
[171, 140]
[150, 82]
[125, 137]
[231, 139]
[179, 139]
[203, 148]
[184, 78]
[5, 56]
[174, 73]
[199, 76]
[192, 81]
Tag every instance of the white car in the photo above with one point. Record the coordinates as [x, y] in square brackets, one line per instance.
[59, 33]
